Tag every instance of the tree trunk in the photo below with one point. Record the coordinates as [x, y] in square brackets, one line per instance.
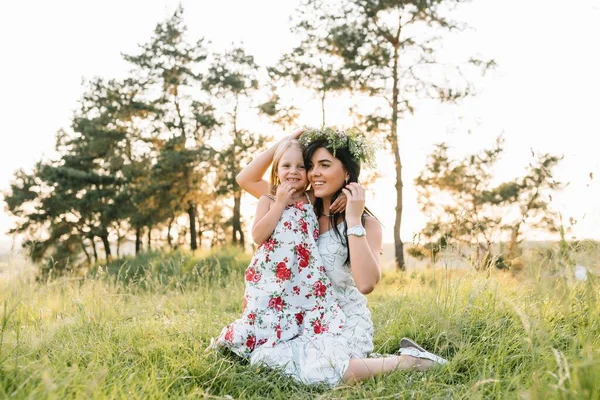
[138, 240]
[87, 255]
[323, 106]
[215, 239]
[238, 233]
[106, 244]
[169, 239]
[200, 229]
[394, 141]
[192, 215]
[149, 245]
[94, 249]
[511, 252]
[119, 239]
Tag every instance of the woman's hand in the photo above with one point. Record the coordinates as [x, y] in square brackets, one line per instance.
[355, 205]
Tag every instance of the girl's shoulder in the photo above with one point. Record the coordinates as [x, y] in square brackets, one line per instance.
[270, 197]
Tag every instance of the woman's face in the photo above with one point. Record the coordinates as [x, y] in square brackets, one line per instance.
[326, 173]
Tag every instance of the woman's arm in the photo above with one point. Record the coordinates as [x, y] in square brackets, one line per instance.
[364, 250]
[364, 256]
[251, 177]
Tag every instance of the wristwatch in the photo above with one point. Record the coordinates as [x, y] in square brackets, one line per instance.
[358, 231]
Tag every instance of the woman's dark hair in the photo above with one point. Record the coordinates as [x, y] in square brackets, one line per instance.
[352, 166]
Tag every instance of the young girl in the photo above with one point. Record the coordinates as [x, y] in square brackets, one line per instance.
[287, 292]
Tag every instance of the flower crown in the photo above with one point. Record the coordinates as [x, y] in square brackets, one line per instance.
[352, 139]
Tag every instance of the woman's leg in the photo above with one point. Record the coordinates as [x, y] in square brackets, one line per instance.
[364, 368]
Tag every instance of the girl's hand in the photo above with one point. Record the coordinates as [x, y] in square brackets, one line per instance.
[355, 206]
[285, 193]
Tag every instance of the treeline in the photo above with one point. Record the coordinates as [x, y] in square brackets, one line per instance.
[167, 142]
[141, 153]
[470, 214]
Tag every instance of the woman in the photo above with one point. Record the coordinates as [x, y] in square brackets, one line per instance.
[350, 244]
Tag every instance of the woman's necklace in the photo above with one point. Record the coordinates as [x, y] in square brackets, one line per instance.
[328, 215]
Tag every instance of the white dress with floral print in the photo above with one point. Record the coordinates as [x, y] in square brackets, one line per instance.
[288, 294]
[325, 359]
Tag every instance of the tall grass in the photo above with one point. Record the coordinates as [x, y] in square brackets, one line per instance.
[138, 328]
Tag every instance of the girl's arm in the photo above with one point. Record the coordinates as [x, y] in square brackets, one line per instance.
[251, 177]
[364, 250]
[268, 213]
[265, 220]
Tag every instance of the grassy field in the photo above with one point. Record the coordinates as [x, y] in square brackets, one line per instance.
[138, 328]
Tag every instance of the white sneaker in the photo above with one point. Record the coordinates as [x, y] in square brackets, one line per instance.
[410, 348]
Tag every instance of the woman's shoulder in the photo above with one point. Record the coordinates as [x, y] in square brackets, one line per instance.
[372, 223]
[371, 218]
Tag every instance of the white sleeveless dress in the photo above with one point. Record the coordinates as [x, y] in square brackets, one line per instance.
[325, 359]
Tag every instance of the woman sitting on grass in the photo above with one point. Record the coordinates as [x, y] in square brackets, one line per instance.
[349, 243]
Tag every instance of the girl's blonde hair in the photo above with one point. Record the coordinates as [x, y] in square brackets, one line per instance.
[290, 144]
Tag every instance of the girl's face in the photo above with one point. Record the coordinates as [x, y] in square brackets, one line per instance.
[326, 173]
[291, 169]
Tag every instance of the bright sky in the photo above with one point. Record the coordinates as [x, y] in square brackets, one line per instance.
[543, 95]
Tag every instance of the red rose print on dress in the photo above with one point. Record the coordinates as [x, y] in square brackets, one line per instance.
[276, 303]
[270, 244]
[319, 289]
[252, 275]
[251, 318]
[299, 318]
[303, 226]
[317, 327]
[229, 334]
[251, 342]
[303, 256]
[283, 272]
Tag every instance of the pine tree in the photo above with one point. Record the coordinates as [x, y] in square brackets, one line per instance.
[388, 49]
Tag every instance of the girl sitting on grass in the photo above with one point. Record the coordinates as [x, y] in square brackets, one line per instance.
[287, 291]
